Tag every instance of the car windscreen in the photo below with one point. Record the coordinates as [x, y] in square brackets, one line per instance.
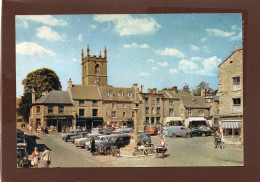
[150, 127]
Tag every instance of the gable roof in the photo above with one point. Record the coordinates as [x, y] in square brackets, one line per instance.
[194, 102]
[230, 56]
[171, 94]
[84, 92]
[115, 97]
[55, 97]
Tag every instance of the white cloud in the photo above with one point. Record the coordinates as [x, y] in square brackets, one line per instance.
[206, 49]
[135, 45]
[45, 19]
[162, 63]
[144, 74]
[23, 24]
[194, 48]
[187, 66]
[80, 37]
[238, 36]
[130, 25]
[76, 60]
[209, 66]
[219, 33]
[45, 32]
[203, 39]
[170, 52]
[32, 48]
[150, 60]
[196, 58]
[235, 27]
[93, 26]
[173, 71]
[155, 68]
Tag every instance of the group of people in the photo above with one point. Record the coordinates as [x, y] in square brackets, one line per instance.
[44, 130]
[45, 157]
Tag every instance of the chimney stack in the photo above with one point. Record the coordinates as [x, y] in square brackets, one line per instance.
[154, 90]
[149, 90]
[174, 88]
[203, 92]
[236, 48]
[33, 96]
[70, 83]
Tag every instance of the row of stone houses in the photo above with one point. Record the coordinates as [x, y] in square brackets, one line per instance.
[95, 103]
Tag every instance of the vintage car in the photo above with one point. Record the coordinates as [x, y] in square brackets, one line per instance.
[21, 142]
[66, 136]
[98, 139]
[152, 129]
[81, 141]
[174, 131]
[124, 129]
[80, 135]
[22, 156]
[19, 133]
[201, 131]
[146, 138]
[102, 131]
[119, 140]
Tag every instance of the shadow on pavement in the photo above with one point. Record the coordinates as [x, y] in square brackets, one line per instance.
[31, 143]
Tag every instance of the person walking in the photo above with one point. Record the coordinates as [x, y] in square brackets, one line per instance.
[92, 149]
[35, 157]
[46, 158]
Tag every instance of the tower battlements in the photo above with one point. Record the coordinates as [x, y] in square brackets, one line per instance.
[94, 57]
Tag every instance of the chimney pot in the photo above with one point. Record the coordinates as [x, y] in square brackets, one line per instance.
[236, 48]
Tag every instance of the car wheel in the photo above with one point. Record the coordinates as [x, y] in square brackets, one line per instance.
[174, 135]
[188, 135]
[203, 135]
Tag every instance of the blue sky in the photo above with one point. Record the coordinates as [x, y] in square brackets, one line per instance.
[157, 51]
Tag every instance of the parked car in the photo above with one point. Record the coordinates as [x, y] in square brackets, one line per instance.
[119, 140]
[98, 139]
[124, 129]
[81, 141]
[174, 131]
[80, 135]
[19, 133]
[201, 131]
[22, 157]
[146, 138]
[21, 142]
[152, 129]
[66, 136]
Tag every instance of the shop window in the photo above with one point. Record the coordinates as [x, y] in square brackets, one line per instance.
[61, 109]
[171, 113]
[38, 109]
[113, 105]
[231, 132]
[50, 109]
[94, 103]
[94, 112]
[81, 112]
[236, 83]
[189, 112]
[147, 120]
[113, 114]
[158, 110]
[81, 102]
[170, 102]
[158, 101]
[147, 110]
[124, 114]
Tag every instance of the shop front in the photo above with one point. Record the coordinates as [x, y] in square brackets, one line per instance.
[89, 123]
[232, 131]
[59, 123]
[195, 121]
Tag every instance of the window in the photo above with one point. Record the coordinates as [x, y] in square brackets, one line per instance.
[231, 132]
[19, 120]
[236, 83]
[237, 105]
[81, 112]
[201, 112]
[146, 100]
[81, 102]
[158, 101]
[158, 120]
[94, 112]
[171, 112]
[189, 112]
[147, 110]
[170, 102]
[113, 114]
[38, 109]
[97, 70]
[110, 93]
[158, 110]
[147, 120]
[124, 114]
[61, 109]
[113, 105]
[120, 93]
[94, 103]
[237, 102]
[50, 109]
[130, 94]
[133, 114]
[124, 105]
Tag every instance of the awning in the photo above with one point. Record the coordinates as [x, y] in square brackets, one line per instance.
[231, 125]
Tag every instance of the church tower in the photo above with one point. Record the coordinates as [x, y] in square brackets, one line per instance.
[94, 68]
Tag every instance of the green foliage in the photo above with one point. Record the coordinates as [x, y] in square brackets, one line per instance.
[40, 80]
[186, 88]
[202, 85]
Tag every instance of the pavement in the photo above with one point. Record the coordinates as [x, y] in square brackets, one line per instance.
[182, 152]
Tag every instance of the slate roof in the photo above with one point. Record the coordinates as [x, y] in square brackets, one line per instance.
[171, 94]
[55, 97]
[116, 97]
[84, 92]
[194, 102]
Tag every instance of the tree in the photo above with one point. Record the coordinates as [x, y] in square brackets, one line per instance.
[186, 88]
[198, 88]
[40, 80]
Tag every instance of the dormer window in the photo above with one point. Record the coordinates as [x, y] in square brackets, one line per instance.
[130, 94]
[194, 101]
[120, 93]
[110, 93]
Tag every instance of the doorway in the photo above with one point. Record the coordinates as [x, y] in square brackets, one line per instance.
[59, 125]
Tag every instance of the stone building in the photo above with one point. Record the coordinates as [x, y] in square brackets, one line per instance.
[20, 123]
[230, 94]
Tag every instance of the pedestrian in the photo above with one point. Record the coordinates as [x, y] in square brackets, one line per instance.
[46, 130]
[142, 147]
[35, 157]
[42, 131]
[163, 143]
[46, 158]
[217, 137]
[92, 144]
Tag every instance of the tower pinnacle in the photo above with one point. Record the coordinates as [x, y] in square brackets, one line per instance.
[88, 50]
